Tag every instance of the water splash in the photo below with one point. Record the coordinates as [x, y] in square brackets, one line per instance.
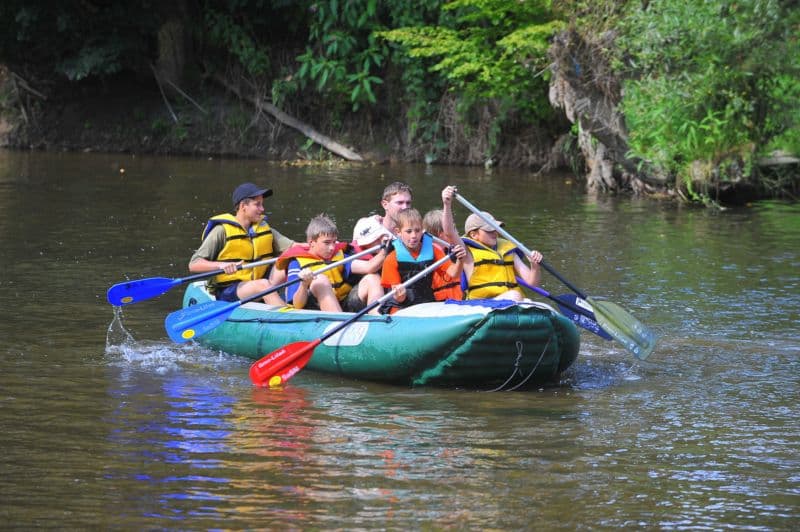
[159, 356]
[117, 334]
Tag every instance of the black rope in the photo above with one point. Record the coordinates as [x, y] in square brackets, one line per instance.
[541, 355]
[316, 319]
[516, 369]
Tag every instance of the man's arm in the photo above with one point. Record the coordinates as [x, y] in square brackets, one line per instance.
[204, 259]
[280, 243]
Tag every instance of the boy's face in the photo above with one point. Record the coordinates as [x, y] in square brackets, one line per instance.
[253, 209]
[323, 246]
[410, 235]
[396, 203]
[487, 238]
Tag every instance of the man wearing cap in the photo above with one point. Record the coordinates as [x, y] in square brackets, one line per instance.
[493, 263]
[232, 240]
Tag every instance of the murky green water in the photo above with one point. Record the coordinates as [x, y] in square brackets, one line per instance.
[108, 424]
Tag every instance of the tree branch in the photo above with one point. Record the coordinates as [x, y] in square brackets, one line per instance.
[323, 140]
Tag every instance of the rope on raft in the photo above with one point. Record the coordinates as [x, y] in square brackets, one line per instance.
[516, 369]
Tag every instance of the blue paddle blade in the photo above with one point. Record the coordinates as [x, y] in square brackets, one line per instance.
[134, 291]
[190, 322]
[587, 320]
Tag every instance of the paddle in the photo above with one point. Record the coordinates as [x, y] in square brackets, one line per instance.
[278, 366]
[573, 308]
[134, 291]
[615, 320]
[196, 320]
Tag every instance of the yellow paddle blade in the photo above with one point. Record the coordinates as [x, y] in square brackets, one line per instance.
[627, 330]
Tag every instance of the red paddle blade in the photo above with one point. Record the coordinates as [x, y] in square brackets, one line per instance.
[280, 378]
[262, 371]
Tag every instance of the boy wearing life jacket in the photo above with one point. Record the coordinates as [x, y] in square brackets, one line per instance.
[493, 263]
[329, 291]
[444, 286]
[412, 252]
[230, 240]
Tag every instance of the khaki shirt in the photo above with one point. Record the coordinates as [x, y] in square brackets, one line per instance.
[215, 241]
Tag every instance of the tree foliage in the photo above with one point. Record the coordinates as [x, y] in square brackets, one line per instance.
[710, 82]
[344, 55]
[78, 39]
[488, 49]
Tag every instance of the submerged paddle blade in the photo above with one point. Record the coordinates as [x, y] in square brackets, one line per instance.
[588, 321]
[135, 291]
[196, 320]
[627, 330]
[290, 371]
[272, 369]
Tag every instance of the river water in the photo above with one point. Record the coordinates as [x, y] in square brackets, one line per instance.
[105, 423]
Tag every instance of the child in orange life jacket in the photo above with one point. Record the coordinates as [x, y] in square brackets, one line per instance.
[444, 286]
[329, 291]
[413, 251]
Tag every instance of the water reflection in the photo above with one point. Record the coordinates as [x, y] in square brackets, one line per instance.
[135, 432]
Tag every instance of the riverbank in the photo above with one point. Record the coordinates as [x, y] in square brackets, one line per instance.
[131, 114]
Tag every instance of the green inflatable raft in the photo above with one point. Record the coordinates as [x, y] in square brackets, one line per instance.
[479, 345]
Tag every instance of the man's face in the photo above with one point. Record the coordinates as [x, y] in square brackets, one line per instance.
[397, 203]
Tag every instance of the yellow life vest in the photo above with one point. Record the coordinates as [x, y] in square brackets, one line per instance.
[340, 287]
[247, 246]
[493, 271]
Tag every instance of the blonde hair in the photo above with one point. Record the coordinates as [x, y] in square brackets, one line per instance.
[395, 188]
[407, 217]
[432, 222]
[321, 225]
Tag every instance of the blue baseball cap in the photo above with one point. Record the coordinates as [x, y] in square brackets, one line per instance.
[249, 190]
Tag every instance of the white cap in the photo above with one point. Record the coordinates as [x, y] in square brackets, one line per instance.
[368, 230]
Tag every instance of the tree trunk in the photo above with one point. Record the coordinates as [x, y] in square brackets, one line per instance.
[172, 51]
[323, 140]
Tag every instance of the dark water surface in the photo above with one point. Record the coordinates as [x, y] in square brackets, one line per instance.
[105, 423]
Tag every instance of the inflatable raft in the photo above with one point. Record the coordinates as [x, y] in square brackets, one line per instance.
[484, 344]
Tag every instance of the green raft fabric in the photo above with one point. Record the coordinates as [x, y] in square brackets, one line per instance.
[433, 344]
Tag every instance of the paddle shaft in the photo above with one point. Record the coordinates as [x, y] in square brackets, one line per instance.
[544, 293]
[388, 295]
[142, 289]
[270, 366]
[177, 326]
[206, 275]
[519, 244]
[581, 316]
[316, 272]
[613, 319]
